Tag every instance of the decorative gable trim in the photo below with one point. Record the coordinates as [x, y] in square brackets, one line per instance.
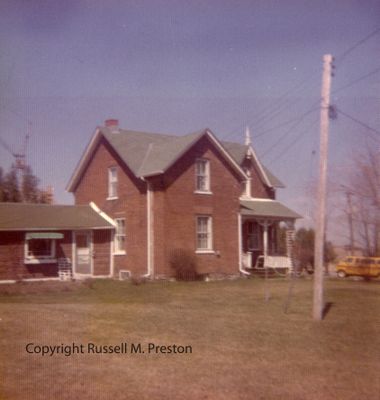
[264, 176]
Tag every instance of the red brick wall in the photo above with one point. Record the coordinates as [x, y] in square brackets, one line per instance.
[12, 264]
[176, 207]
[131, 204]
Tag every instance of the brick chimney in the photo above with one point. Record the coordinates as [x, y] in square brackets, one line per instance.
[112, 125]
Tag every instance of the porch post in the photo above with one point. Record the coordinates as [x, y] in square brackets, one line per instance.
[265, 238]
[240, 247]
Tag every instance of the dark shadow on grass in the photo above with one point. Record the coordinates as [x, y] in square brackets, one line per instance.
[326, 309]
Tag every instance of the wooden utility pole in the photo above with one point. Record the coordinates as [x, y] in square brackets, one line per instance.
[318, 303]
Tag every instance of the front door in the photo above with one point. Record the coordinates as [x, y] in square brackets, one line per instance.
[83, 253]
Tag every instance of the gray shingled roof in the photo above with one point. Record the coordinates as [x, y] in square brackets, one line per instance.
[151, 153]
[20, 216]
[147, 153]
[267, 208]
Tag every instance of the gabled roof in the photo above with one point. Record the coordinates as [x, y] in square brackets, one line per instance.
[25, 217]
[148, 154]
[268, 208]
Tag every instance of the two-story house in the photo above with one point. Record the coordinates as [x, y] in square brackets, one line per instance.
[190, 192]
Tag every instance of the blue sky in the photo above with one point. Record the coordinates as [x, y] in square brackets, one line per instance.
[178, 66]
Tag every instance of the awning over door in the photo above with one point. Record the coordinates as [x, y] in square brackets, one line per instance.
[267, 208]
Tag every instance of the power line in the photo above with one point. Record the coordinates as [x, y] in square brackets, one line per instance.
[282, 124]
[358, 121]
[291, 144]
[282, 137]
[357, 44]
[375, 71]
[280, 102]
[273, 109]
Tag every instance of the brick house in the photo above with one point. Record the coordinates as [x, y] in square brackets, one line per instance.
[190, 192]
[38, 239]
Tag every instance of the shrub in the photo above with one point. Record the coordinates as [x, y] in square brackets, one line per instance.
[138, 280]
[184, 265]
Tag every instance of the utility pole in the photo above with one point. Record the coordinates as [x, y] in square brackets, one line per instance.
[318, 303]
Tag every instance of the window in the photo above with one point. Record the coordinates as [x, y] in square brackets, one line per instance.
[120, 236]
[204, 233]
[112, 183]
[202, 175]
[39, 251]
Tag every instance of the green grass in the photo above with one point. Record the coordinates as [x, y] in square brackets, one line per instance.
[244, 347]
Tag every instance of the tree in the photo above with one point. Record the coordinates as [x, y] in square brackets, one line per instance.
[22, 186]
[11, 186]
[364, 210]
[31, 192]
[303, 247]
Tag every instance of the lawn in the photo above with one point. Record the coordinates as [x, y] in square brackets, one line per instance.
[243, 347]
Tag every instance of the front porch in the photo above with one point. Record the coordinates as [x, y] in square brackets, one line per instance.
[259, 221]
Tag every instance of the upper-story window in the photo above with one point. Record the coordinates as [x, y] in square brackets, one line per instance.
[112, 183]
[202, 175]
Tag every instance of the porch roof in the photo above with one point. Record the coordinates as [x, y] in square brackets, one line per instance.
[27, 217]
[267, 208]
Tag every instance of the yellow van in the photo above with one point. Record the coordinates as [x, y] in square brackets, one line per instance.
[368, 267]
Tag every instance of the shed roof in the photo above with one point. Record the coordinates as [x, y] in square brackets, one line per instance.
[25, 217]
[267, 208]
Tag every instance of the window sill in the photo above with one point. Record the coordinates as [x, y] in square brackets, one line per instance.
[120, 253]
[41, 261]
[204, 252]
[112, 198]
[202, 192]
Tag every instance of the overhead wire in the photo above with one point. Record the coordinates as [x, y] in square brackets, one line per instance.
[292, 143]
[270, 111]
[358, 121]
[342, 56]
[283, 136]
[284, 123]
[373, 72]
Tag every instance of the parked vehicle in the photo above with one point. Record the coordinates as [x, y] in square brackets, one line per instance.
[367, 267]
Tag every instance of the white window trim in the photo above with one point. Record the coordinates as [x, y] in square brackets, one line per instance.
[210, 238]
[207, 174]
[112, 180]
[117, 251]
[51, 259]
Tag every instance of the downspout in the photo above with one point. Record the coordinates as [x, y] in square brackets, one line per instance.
[150, 243]
[240, 247]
